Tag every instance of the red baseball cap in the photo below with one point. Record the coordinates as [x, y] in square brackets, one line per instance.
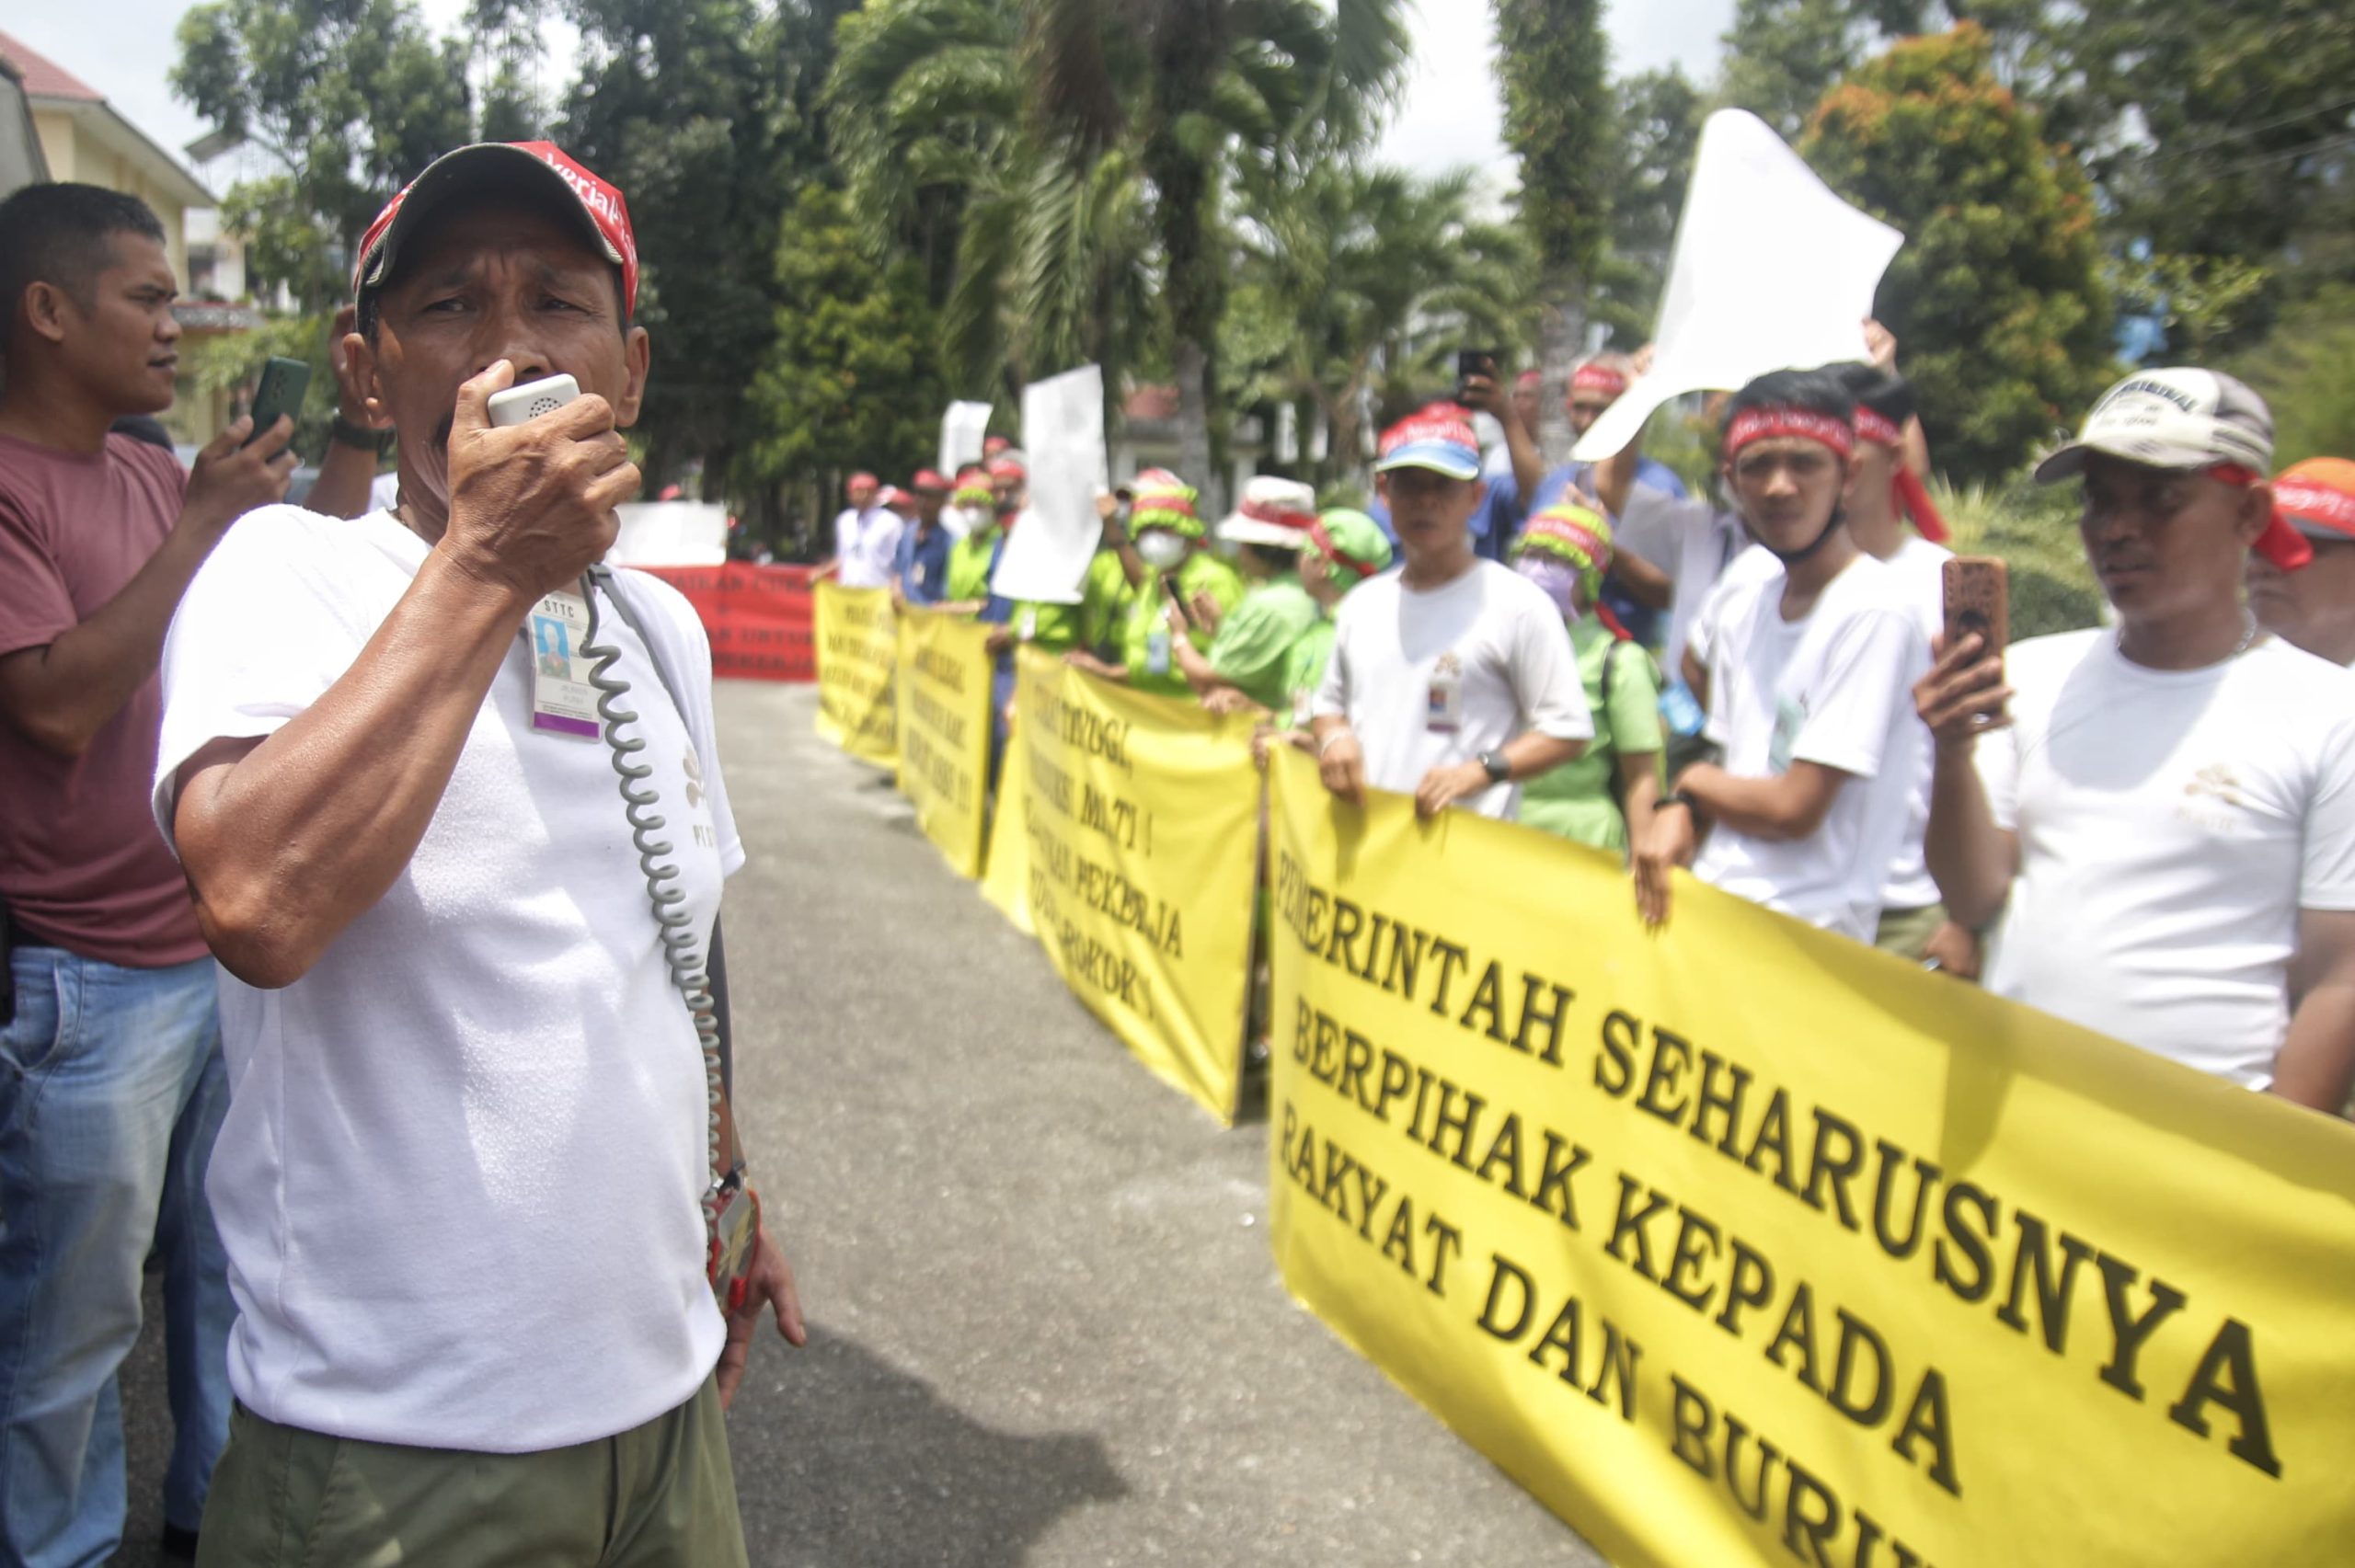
[2317, 498]
[490, 163]
[1438, 438]
[928, 479]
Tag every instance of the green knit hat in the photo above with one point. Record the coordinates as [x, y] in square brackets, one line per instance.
[1164, 501]
[1574, 535]
[1352, 543]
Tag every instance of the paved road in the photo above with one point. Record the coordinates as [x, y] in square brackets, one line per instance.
[1045, 1326]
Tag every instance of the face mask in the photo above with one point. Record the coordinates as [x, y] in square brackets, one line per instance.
[1160, 548]
[1558, 579]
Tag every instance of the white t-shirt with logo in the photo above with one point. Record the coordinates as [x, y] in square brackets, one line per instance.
[2171, 825]
[1427, 679]
[459, 1176]
[1834, 687]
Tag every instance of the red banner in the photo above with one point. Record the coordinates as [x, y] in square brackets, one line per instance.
[758, 618]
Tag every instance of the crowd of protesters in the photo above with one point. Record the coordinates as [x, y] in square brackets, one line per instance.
[2148, 827]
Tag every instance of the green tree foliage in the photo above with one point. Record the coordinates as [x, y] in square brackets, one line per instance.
[350, 97]
[1355, 287]
[1081, 152]
[1998, 293]
[675, 106]
[2221, 137]
[1783, 55]
[2305, 371]
[851, 375]
[1659, 133]
[1554, 64]
[2243, 146]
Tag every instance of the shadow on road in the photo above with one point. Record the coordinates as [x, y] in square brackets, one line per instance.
[844, 1460]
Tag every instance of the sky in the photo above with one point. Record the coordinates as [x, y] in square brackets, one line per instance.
[1450, 115]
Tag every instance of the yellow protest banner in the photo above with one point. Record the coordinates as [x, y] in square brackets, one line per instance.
[1005, 878]
[1140, 815]
[1741, 1243]
[944, 708]
[858, 653]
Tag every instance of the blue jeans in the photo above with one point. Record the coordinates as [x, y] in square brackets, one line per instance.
[111, 1089]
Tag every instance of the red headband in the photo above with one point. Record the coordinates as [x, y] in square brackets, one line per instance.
[1874, 426]
[1282, 517]
[2280, 543]
[1766, 424]
[1332, 552]
[1598, 377]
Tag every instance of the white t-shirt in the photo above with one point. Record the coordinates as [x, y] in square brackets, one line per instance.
[1691, 539]
[1428, 678]
[867, 545]
[1919, 567]
[384, 492]
[1752, 565]
[459, 1176]
[2171, 825]
[1835, 688]
[1919, 571]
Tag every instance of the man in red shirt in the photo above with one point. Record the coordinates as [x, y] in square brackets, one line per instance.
[110, 1074]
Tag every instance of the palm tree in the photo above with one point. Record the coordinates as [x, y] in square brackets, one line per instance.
[1356, 283]
[1081, 153]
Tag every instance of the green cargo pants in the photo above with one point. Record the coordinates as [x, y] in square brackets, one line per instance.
[658, 1495]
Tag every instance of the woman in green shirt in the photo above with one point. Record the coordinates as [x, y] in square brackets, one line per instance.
[1249, 649]
[970, 558]
[1169, 540]
[1566, 550]
[1344, 548]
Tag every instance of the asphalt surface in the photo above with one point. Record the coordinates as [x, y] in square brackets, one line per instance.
[1045, 1326]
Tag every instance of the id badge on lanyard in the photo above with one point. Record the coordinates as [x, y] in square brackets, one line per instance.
[1156, 652]
[1445, 705]
[563, 703]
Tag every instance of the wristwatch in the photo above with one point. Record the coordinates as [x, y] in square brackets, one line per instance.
[1678, 798]
[1499, 770]
[349, 434]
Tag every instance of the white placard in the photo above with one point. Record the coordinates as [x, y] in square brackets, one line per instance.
[671, 533]
[1771, 271]
[963, 430]
[1062, 439]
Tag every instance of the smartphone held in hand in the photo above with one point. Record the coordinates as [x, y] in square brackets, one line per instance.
[283, 382]
[1979, 600]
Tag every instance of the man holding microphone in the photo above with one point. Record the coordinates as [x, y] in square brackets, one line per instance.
[460, 1177]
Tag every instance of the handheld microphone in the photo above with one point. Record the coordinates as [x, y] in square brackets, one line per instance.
[532, 399]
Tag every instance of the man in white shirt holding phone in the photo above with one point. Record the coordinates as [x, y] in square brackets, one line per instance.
[462, 1177]
[2162, 811]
